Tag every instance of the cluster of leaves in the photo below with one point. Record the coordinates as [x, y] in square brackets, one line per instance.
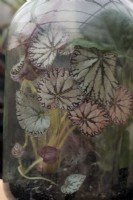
[102, 34]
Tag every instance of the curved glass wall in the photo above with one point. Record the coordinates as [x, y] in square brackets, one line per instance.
[69, 101]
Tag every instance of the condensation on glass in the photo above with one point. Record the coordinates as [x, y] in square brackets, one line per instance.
[68, 123]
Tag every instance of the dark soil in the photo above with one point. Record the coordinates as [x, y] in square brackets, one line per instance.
[24, 189]
[40, 190]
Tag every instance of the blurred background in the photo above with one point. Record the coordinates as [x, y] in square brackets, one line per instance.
[7, 10]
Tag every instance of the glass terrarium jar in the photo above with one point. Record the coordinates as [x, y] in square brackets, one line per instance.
[68, 119]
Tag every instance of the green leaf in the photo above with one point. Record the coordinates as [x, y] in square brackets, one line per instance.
[89, 44]
[111, 29]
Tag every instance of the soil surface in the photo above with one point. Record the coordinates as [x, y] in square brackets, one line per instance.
[37, 190]
[25, 189]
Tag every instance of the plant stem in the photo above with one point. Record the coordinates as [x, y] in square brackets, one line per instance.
[26, 141]
[58, 132]
[34, 178]
[26, 83]
[33, 165]
[62, 133]
[63, 117]
[20, 162]
[42, 141]
[57, 140]
[59, 129]
[65, 136]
